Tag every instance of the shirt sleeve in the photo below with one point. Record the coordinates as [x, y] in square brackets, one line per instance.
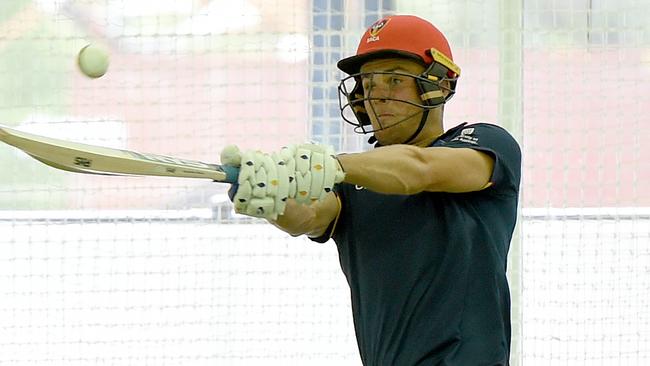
[497, 142]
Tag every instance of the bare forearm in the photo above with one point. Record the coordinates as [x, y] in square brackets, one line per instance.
[406, 169]
[311, 220]
[395, 169]
[296, 220]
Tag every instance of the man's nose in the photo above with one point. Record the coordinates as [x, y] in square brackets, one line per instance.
[380, 92]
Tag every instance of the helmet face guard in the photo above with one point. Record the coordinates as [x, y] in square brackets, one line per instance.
[352, 96]
[399, 36]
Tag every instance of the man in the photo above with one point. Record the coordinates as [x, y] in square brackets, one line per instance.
[422, 222]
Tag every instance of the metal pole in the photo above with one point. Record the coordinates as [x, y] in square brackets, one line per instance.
[511, 118]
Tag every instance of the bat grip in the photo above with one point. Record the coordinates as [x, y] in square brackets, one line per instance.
[232, 173]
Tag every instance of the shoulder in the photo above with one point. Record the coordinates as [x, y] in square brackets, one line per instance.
[461, 131]
[477, 135]
[495, 141]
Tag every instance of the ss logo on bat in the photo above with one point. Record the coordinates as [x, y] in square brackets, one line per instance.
[86, 163]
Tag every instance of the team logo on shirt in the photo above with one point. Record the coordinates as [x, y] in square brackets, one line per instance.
[467, 135]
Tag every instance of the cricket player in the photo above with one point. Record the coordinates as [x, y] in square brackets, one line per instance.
[422, 222]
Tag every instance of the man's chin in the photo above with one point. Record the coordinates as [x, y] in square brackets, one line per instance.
[384, 138]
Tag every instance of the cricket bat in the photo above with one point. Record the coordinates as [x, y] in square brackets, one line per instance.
[90, 159]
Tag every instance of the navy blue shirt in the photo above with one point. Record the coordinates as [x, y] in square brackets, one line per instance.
[427, 272]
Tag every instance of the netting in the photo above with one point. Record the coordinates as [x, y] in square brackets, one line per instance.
[585, 276]
[172, 291]
[97, 270]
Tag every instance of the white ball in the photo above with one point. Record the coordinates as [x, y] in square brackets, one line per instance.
[93, 61]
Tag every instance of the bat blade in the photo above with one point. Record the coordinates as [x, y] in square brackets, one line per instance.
[91, 159]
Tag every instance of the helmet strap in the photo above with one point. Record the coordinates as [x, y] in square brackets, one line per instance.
[423, 121]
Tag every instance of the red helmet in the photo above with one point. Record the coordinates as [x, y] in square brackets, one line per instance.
[402, 36]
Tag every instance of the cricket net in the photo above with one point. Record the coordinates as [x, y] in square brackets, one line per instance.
[156, 271]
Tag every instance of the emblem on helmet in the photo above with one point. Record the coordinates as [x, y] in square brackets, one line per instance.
[375, 29]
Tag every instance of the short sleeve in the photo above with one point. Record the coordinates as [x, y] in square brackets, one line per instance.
[497, 142]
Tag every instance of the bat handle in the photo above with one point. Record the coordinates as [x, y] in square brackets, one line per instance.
[232, 173]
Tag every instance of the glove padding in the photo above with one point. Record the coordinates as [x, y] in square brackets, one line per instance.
[317, 171]
[305, 172]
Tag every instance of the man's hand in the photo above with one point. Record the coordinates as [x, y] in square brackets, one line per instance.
[305, 172]
[317, 171]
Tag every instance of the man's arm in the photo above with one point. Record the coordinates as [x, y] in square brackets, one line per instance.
[311, 220]
[395, 169]
[407, 169]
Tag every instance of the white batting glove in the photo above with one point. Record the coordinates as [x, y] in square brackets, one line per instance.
[263, 185]
[305, 172]
[317, 171]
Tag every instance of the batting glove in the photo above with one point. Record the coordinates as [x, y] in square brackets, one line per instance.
[305, 172]
[317, 171]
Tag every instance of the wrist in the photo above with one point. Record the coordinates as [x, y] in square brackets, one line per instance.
[339, 162]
